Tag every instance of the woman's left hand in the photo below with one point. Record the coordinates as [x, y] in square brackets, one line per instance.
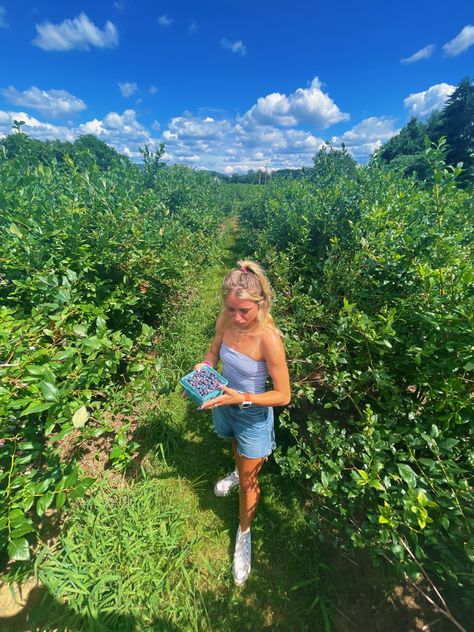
[230, 396]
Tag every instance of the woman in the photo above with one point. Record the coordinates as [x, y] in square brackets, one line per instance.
[250, 347]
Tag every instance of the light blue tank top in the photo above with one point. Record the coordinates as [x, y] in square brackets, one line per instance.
[244, 373]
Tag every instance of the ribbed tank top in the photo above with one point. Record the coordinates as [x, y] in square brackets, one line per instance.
[244, 373]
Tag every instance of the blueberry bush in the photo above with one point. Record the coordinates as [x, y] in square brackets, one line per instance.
[92, 260]
[373, 276]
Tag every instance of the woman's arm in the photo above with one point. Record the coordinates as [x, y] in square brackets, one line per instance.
[274, 355]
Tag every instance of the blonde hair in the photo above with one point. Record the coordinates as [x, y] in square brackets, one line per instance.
[248, 281]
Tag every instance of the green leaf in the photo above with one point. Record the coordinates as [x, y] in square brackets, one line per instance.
[36, 407]
[80, 330]
[136, 367]
[80, 417]
[19, 550]
[100, 324]
[44, 502]
[35, 369]
[50, 391]
[447, 444]
[60, 499]
[376, 484]
[407, 474]
[21, 530]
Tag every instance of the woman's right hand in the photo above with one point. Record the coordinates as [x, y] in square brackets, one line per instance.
[199, 365]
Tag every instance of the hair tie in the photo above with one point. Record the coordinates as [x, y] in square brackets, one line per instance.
[243, 269]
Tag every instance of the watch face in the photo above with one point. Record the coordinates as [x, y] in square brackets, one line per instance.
[246, 404]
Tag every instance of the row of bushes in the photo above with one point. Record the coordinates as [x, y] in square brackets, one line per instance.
[91, 261]
[373, 276]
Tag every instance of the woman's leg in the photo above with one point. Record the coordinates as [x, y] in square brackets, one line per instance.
[249, 492]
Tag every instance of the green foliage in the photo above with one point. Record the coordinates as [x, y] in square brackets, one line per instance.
[373, 280]
[127, 552]
[331, 164]
[85, 152]
[455, 122]
[91, 262]
[405, 151]
[152, 163]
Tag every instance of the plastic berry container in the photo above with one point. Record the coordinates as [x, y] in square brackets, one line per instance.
[203, 385]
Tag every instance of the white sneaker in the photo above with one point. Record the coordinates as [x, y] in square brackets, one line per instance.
[226, 484]
[242, 557]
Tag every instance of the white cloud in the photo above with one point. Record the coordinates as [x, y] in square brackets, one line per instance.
[156, 126]
[304, 106]
[421, 104]
[54, 103]
[33, 127]
[3, 18]
[236, 145]
[127, 89]
[235, 47]
[367, 136]
[423, 53]
[193, 27]
[165, 21]
[462, 41]
[188, 128]
[154, 89]
[79, 33]
[122, 131]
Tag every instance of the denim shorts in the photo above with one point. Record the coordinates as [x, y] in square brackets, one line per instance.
[251, 427]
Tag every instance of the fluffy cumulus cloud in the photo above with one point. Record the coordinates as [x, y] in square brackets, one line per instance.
[50, 103]
[462, 41]
[232, 146]
[305, 106]
[34, 127]
[3, 18]
[423, 53]
[79, 33]
[270, 135]
[122, 131]
[235, 47]
[421, 104]
[367, 136]
[127, 89]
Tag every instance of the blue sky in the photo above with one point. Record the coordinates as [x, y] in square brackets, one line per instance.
[230, 85]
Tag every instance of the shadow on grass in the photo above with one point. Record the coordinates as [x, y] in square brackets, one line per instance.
[43, 613]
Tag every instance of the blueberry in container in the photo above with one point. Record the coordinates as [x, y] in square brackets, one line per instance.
[203, 385]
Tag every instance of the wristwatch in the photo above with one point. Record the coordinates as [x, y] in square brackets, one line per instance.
[247, 401]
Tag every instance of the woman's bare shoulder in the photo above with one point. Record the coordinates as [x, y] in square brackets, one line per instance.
[271, 336]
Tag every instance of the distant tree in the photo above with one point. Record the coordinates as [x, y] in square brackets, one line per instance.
[406, 150]
[409, 141]
[456, 123]
[330, 163]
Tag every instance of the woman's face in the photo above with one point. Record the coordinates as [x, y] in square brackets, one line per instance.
[240, 311]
